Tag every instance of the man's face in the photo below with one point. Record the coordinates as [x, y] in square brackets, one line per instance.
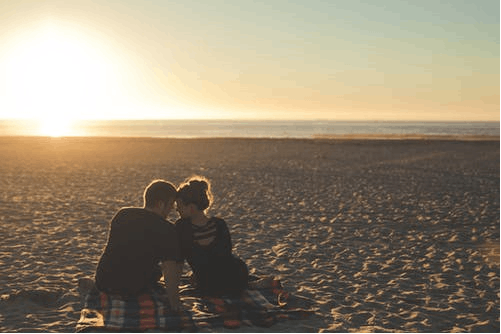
[167, 207]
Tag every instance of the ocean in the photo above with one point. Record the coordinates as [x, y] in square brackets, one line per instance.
[242, 128]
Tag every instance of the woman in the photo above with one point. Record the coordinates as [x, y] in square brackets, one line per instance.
[206, 242]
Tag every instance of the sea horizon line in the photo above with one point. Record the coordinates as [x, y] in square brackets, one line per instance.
[258, 120]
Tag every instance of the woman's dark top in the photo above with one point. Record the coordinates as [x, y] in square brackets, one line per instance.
[216, 270]
[138, 240]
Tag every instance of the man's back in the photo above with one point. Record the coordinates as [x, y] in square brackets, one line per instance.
[137, 241]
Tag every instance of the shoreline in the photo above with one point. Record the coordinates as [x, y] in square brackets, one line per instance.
[376, 136]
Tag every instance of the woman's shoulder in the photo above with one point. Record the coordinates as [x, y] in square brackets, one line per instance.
[220, 224]
[217, 220]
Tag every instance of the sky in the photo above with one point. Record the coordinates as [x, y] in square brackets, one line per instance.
[410, 60]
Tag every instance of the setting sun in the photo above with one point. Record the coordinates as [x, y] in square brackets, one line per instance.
[57, 73]
[55, 127]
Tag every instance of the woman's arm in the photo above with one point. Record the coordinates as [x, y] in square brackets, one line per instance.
[223, 246]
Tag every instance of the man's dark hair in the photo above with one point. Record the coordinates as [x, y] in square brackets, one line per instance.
[158, 190]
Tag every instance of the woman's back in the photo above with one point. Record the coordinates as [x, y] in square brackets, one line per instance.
[216, 270]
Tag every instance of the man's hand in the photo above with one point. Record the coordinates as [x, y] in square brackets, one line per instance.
[172, 276]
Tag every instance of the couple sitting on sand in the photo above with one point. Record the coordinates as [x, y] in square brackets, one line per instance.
[142, 245]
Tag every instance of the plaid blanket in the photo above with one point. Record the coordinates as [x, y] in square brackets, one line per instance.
[262, 306]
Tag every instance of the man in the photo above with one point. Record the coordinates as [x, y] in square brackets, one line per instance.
[142, 246]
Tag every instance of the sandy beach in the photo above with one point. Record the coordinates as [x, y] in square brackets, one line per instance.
[380, 235]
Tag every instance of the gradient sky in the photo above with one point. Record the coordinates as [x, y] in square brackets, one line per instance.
[347, 60]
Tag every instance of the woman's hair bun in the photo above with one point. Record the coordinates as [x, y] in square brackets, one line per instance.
[196, 190]
[199, 184]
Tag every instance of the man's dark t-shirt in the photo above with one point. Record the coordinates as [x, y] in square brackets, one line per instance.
[138, 240]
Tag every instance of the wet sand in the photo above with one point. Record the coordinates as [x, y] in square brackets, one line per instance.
[380, 235]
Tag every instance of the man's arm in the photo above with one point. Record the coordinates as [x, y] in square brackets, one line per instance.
[172, 275]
